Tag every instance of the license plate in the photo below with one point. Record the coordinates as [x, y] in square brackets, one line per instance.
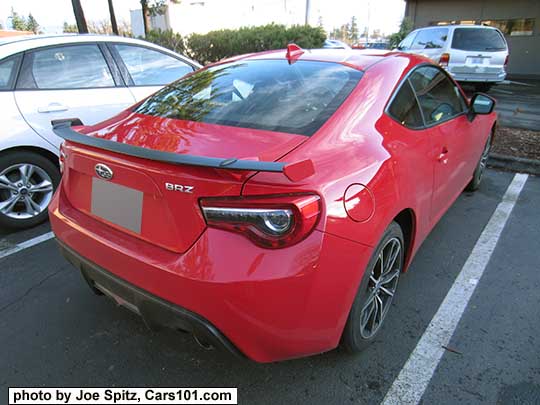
[476, 61]
[117, 204]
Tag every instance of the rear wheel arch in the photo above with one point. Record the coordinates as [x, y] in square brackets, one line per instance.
[406, 219]
[47, 154]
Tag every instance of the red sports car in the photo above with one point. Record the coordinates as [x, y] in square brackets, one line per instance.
[269, 203]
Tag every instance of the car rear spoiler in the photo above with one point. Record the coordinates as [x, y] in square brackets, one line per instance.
[293, 171]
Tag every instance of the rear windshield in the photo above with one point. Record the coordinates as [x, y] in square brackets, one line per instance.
[271, 95]
[478, 39]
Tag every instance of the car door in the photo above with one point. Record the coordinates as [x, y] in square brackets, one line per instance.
[69, 81]
[444, 113]
[147, 70]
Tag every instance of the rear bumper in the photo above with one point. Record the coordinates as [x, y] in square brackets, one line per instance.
[269, 305]
[479, 77]
[154, 311]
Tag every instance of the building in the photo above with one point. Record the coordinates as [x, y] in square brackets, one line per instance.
[519, 20]
[13, 33]
[201, 16]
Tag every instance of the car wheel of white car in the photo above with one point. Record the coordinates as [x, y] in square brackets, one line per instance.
[27, 184]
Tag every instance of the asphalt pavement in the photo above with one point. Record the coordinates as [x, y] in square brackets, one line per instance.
[518, 103]
[55, 332]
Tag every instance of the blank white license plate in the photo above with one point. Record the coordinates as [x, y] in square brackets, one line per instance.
[476, 61]
[117, 204]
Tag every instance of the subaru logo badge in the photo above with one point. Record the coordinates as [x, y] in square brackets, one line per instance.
[104, 171]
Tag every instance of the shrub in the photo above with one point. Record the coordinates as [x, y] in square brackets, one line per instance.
[220, 44]
[167, 39]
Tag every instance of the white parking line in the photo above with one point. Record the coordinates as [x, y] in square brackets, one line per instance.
[412, 381]
[27, 244]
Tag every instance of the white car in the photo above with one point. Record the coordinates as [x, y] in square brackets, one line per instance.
[470, 53]
[48, 78]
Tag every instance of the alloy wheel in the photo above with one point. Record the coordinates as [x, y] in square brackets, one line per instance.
[382, 287]
[25, 191]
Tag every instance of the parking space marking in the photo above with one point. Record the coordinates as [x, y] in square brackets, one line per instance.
[414, 377]
[27, 244]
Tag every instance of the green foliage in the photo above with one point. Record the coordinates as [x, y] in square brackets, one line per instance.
[32, 24]
[168, 39]
[220, 44]
[71, 28]
[353, 30]
[405, 28]
[19, 23]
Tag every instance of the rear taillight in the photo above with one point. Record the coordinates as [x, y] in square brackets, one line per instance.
[444, 60]
[62, 157]
[269, 221]
[506, 61]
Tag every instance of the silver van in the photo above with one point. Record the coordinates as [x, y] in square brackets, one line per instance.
[470, 53]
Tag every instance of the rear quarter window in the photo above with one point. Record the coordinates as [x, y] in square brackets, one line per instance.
[270, 95]
[433, 38]
[478, 39]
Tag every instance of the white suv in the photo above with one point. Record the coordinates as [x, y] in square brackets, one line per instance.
[48, 78]
[470, 53]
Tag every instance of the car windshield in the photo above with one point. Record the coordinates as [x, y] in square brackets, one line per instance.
[478, 39]
[273, 95]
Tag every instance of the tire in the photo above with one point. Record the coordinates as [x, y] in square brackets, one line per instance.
[483, 87]
[358, 333]
[23, 204]
[474, 184]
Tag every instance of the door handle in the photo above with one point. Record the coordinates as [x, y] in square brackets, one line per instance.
[53, 107]
[443, 156]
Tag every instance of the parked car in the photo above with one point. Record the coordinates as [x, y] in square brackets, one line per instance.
[50, 78]
[335, 44]
[270, 203]
[470, 53]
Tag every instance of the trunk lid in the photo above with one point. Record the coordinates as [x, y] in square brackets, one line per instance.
[156, 201]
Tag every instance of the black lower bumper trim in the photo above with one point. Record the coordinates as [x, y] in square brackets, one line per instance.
[155, 311]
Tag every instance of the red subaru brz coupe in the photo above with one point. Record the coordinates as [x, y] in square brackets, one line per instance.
[268, 203]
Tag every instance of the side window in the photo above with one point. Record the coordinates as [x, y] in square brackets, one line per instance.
[148, 67]
[439, 98]
[404, 107]
[8, 70]
[434, 38]
[65, 67]
[407, 42]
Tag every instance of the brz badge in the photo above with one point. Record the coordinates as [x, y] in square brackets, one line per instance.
[179, 187]
[104, 171]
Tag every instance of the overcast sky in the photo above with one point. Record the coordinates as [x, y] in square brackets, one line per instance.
[51, 14]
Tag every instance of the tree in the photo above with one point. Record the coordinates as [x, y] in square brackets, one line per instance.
[70, 28]
[18, 22]
[405, 28]
[79, 16]
[113, 18]
[353, 30]
[32, 24]
[153, 8]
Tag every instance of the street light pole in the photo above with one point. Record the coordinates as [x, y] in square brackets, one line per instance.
[307, 12]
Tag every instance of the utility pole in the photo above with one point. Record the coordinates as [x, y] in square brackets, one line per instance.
[113, 18]
[307, 12]
[79, 16]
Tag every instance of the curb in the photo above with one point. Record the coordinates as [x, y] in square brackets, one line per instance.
[515, 164]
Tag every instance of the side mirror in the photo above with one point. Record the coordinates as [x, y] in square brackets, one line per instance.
[482, 104]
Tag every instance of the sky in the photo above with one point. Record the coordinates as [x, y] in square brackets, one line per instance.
[51, 14]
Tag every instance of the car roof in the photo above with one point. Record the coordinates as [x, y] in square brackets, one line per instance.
[457, 26]
[12, 45]
[360, 59]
